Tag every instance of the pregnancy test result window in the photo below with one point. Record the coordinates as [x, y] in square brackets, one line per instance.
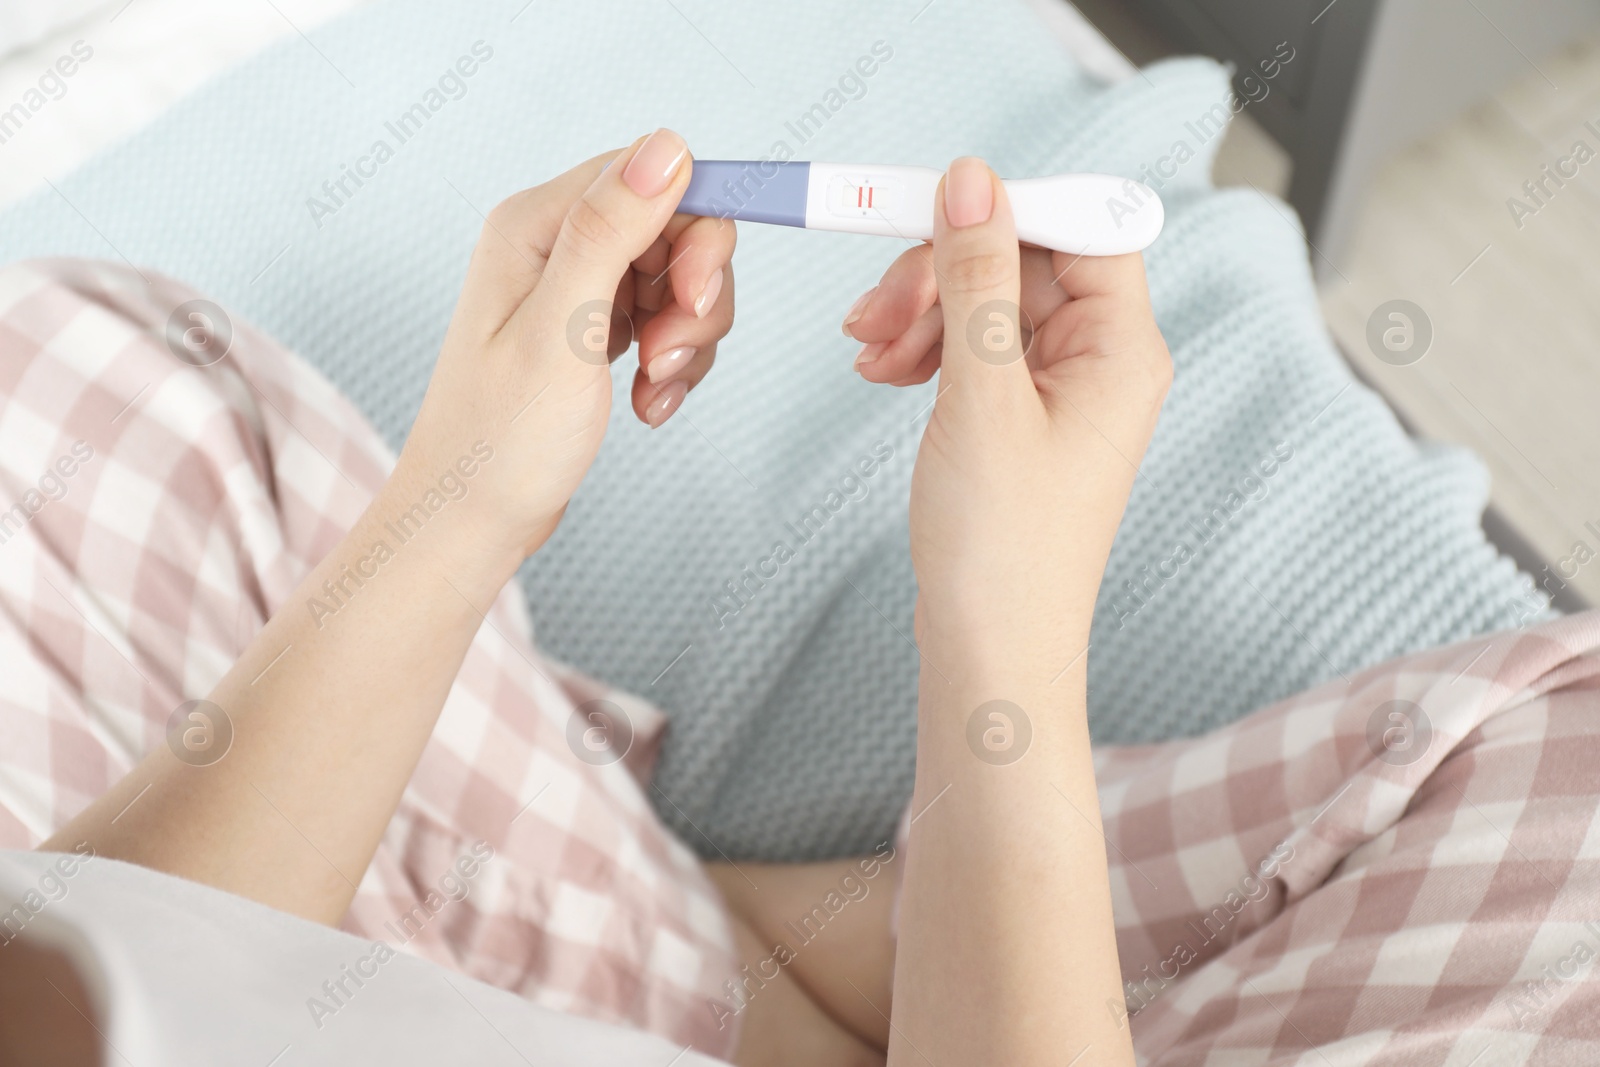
[864, 197]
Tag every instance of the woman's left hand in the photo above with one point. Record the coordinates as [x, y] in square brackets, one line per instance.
[518, 404]
[565, 276]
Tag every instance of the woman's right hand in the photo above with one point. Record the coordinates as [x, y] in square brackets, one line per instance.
[1007, 949]
[1036, 436]
[559, 275]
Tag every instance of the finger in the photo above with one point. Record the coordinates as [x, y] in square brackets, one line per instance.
[629, 319]
[673, 329]
[978, 267]
[514, 246]
[650, 275]
[655, 402]
[690, 370]
[924, 370]
[656, 258]
[892, 360]
[1040, 293]
[1117, 276]
[689, 252]
[907, 290]
[700, 251]
[616, 220]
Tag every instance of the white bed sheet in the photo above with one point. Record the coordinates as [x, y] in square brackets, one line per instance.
[143, 56]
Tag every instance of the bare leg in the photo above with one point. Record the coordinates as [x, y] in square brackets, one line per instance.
[838, 971]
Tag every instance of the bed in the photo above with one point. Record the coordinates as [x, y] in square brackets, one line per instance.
[1315, 536]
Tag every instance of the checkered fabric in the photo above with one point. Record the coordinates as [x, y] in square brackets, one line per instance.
[1398, 868]
[154, 513]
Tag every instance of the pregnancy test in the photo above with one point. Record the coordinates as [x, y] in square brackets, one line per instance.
[1081, 214]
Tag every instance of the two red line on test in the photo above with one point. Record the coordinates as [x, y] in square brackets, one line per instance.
[863, 196]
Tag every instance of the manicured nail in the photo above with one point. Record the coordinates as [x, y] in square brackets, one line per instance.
[708, 296]
[665, 403]
[650, 170]
[869, 354]
[968, 193]
[668, 363]
[858, 309]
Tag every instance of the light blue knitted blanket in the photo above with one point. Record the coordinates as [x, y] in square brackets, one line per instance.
[1284, 530]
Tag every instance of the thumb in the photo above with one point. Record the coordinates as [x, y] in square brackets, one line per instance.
[978, 268]
[611, 224]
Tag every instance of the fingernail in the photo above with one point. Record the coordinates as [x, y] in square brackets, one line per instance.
[668, 363]
[968, 193]
[869, 354]
[857, 309]
[665, 403]
[650, 170]
[708, 296]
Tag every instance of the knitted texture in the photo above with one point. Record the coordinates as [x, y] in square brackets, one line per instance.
[1284, 529]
